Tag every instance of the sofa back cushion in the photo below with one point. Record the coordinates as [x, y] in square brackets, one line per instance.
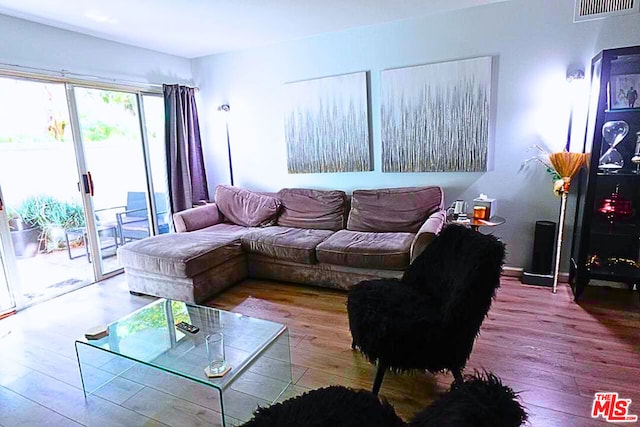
[316, 209]
[244, 207]
[393, 209]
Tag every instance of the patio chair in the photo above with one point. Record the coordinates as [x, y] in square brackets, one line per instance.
[133, 223]
[104, 227]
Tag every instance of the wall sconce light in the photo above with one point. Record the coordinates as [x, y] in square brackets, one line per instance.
[574, 74]
[225, 109]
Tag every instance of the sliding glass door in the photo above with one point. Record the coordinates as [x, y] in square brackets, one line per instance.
[114, 160]
[39, 183]
[120, 172]
[78, 166]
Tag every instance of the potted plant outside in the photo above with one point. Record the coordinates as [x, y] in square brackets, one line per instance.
[25, 235]
[39, 223]
[56, 218]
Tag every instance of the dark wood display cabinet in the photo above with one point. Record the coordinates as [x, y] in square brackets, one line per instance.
[606, 239]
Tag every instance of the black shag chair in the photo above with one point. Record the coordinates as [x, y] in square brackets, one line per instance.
[481, 401]
[430, 318]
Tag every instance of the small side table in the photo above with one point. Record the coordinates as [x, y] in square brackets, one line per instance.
[475, 223]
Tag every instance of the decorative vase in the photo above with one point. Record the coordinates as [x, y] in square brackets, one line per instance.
[616, 207]
[26, 242]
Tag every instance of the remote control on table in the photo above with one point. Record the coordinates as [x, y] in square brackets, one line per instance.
[186, 327]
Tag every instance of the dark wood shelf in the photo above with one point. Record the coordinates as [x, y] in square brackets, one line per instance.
[592, 233]
[619, 273]
[622, 173]
[619, 229]
[622, 110]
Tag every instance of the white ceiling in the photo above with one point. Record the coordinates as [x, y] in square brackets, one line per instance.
[196, 28]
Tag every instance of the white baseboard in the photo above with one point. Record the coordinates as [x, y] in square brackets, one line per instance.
[517, 272]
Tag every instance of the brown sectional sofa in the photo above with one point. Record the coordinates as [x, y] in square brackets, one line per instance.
[314, 237]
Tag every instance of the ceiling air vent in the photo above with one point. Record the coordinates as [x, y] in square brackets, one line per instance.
[594, 9]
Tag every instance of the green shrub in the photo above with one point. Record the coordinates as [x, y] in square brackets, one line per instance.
[52, 216]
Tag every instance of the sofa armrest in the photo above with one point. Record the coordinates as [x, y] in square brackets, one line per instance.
[427, 232]
[197, 218]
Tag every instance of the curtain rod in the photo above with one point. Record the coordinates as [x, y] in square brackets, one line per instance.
[64, 74]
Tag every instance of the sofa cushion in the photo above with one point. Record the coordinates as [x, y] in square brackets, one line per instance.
[197, 218]
[307, 208]
[388, 251]
[244, 207]
[225, 230]
[393, 209]
[180, 254]
[292, 244]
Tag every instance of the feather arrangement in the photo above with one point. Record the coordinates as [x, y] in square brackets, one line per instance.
[567, 164]
[562, 166]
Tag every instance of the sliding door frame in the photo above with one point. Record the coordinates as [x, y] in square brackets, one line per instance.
[84, 183]
[70, 84]
[8, 262]
[151, 199]
[83, 171]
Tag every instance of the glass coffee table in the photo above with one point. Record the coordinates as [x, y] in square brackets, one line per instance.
[148, 341]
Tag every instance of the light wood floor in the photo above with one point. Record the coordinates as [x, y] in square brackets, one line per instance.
[555, 352]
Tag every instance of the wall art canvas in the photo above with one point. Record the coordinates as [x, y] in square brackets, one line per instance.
[327, 124]
[435, 118]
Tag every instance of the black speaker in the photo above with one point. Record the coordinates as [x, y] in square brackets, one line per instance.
[541, 272]
[543, 240]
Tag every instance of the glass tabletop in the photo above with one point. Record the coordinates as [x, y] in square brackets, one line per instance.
[149, 336]
[476, 222]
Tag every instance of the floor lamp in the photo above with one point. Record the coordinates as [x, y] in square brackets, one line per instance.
[225, 109]
[567, 165]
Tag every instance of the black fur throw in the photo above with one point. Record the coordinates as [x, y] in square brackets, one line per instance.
[481, 401]
[429, 319]
[331, 407]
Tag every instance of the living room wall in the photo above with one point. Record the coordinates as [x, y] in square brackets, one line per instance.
[29, 44]
[533, 42]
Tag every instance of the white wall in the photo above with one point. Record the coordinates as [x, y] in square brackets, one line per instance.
[30, 44]
[533, 42]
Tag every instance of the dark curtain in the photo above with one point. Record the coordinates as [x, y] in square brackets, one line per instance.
[185, 164]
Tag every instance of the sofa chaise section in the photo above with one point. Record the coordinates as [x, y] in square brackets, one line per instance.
[187, 266]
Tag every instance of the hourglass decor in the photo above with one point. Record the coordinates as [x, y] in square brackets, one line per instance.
[613, 133]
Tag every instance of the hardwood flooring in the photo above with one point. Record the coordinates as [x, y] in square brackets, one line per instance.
[555, 352]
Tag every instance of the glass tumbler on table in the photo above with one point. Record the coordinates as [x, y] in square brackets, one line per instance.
[479, 212]
[215, 353]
